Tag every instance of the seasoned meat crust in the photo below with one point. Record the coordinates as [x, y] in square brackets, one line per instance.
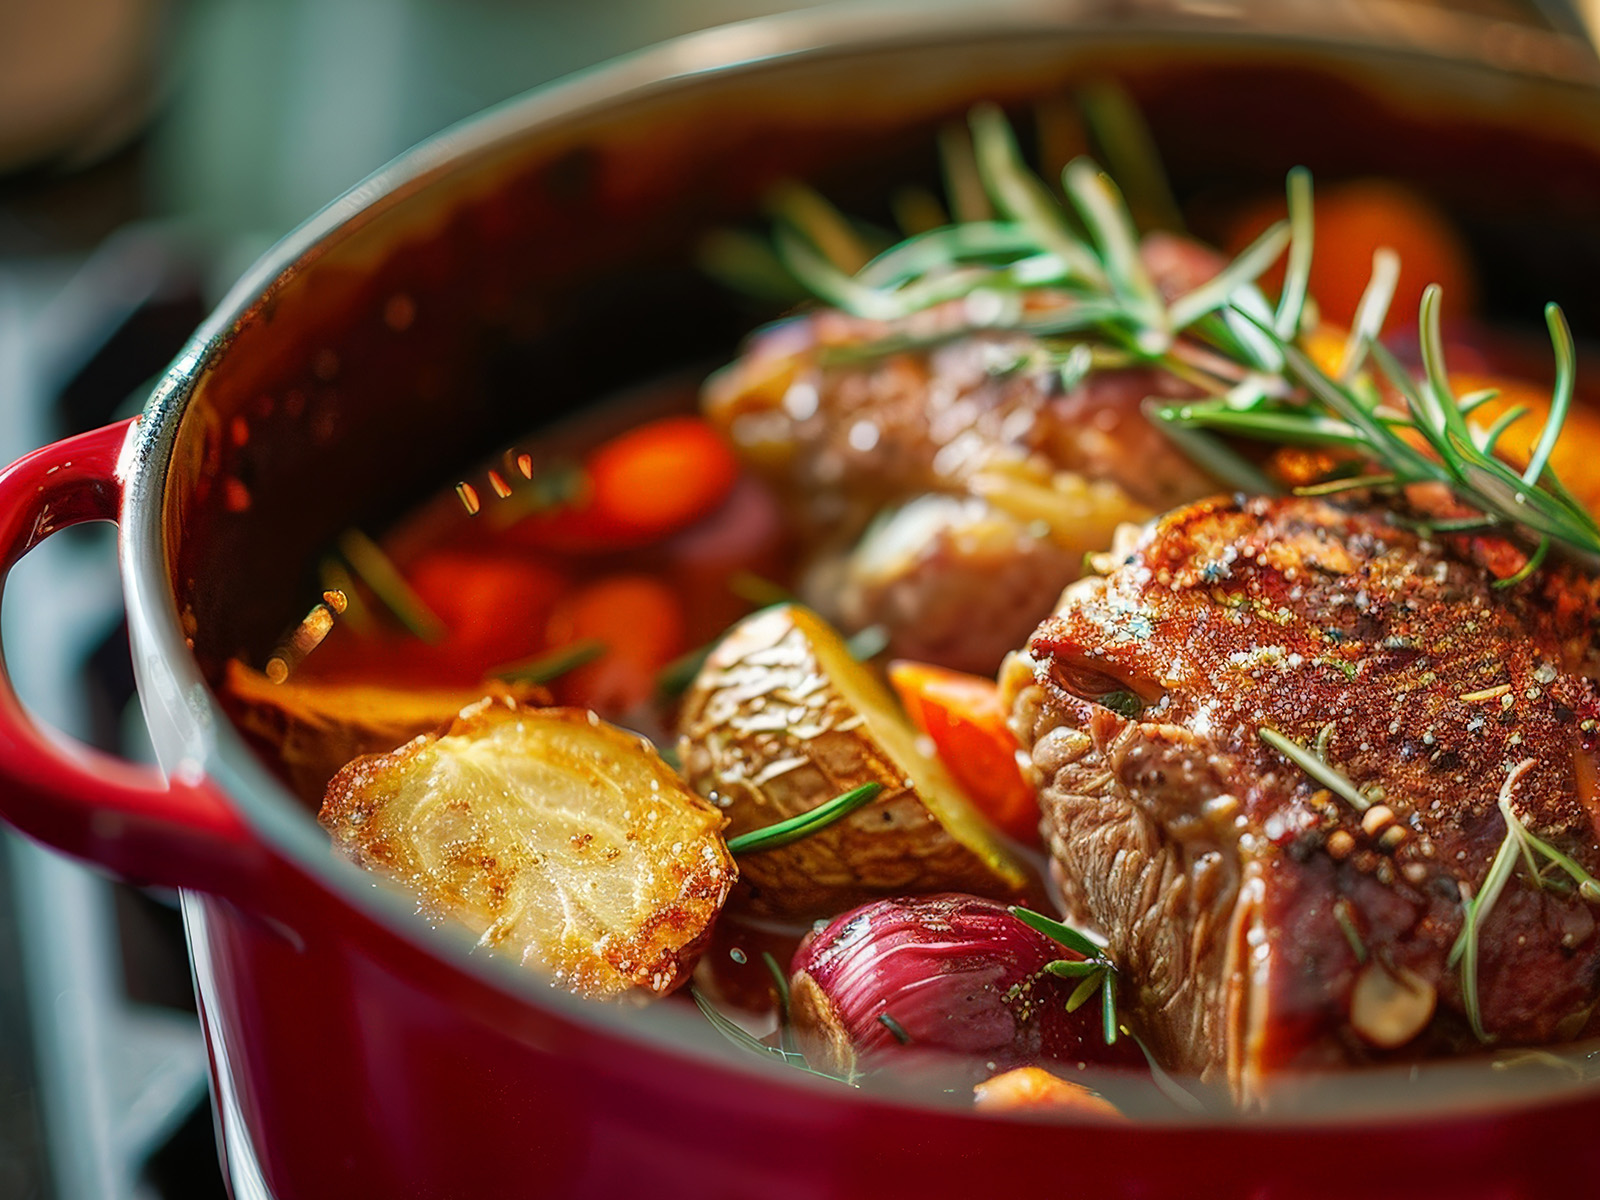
[848, 419]
[1264, 923]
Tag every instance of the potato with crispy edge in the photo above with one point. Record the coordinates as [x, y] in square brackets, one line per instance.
[780, 719]
[557, 838]
[312, 728]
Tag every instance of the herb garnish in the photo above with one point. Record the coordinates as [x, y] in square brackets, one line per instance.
[743, 1038]
[553, 663]
[1518, 842]
[383, 579]
[896, 1030]
[792, 829]
[1095, 969]
[1316, 767]
[1066, 273]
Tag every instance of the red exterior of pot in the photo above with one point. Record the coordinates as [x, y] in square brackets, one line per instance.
[342, 1075]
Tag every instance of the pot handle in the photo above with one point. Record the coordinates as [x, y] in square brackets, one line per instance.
[127, 818]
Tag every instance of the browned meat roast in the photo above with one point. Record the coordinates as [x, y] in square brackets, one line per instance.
[847, 432]
[1265, 923]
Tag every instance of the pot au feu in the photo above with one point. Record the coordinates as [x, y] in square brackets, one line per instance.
[1060, 662]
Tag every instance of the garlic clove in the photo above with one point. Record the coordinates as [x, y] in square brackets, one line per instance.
[1389, 1008]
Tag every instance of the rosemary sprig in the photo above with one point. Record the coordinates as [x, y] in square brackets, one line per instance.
[792, 829]
[745, 1040]
[1518, 842]
[1316, 767]
[1079, 267]
[1095, 971]
[373, 568]
[554, 663]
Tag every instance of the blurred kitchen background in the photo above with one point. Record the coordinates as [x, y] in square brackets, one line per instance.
[149, 151]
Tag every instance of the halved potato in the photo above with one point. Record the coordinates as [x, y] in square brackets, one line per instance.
[556, 837]
[780, 719]
[314, 728]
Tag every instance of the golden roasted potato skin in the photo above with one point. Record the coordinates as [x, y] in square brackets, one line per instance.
[549, 833]
[311, 729]
[779, 720]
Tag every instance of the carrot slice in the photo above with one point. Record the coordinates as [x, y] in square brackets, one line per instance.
[640, 487]
[1033, 1089]
[964, 717]
[640, 622]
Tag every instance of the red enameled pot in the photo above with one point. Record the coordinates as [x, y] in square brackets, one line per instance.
[511, 270]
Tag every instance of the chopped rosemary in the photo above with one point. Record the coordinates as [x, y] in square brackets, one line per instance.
[1079, 265]
[1335, 781]
[758, 590]
[674, 678]
[1347, 926]
[745, 1040]
[1518, 841]
[896, 1030]
[374, 569]
[1095, 971]
[867, 643]
[553, 663]
[780, 984]
[792, 829]
[780, 987]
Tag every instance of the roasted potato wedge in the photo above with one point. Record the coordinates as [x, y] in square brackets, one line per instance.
[314, 728]
[780, 719]
[556, 837]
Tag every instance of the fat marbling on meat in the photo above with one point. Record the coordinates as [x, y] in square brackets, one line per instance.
[1263, 923]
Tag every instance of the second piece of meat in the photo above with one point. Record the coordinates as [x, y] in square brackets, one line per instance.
[1266, 923]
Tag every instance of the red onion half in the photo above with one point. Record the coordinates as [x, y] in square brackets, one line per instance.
[945, 976]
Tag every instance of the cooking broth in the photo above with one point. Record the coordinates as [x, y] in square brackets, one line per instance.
[1215, 190]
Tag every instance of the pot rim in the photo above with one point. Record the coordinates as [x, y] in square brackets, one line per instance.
[192, 734]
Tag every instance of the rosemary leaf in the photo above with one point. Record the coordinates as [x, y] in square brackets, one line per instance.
[1535, 561]
[1056, 931]
[1504, 421]
[1561, 396]
[1069, 968]
[1108, 1008]
[867, 643]
[896, 1030]
[674, 678]
[1469, 403]
[1465, 950]
[804, 824]
[745, 1040]
[373, 567]
[1212, 455]
[1297, 271]
[1371, 312]
[1081, 993]
[554, 663]
[1017, 192]
[1132, 159]
[1100, 205]
[1241, 272]
[824, 226]
[1327, 776]
[780, 984]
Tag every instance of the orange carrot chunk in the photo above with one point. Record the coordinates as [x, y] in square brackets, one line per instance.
[1033, 1089]
[640, 623]
[640, 487]
[964, 717]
